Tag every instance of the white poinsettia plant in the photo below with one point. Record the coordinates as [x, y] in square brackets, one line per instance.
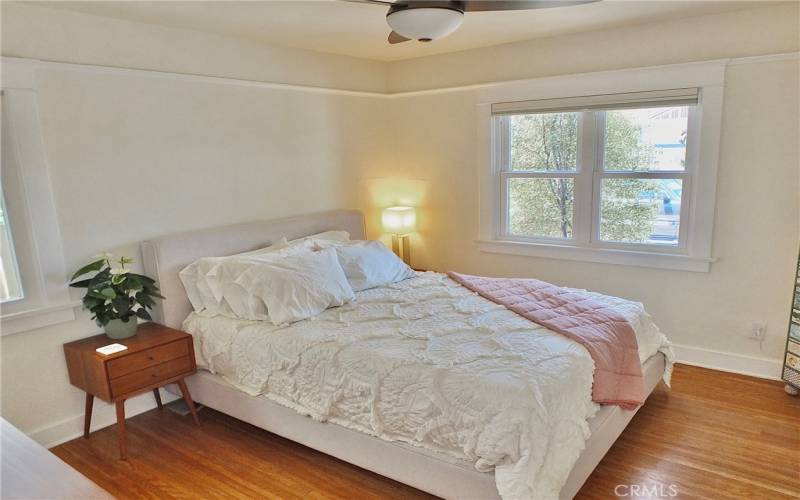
[113, 292]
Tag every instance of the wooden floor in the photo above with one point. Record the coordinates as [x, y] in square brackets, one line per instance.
[713, 435]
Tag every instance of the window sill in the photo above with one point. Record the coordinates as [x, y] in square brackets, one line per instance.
[32, 319]
[600, 255]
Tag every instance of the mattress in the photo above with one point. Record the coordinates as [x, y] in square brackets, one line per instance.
[428, 363]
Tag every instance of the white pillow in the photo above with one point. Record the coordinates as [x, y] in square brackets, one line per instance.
[209, 282]
[326, 236]
[323, 240]
[299, 286]
[368, 264]
[193, 279]
[235, 300]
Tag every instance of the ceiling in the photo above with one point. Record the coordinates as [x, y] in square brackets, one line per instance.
[360, 30]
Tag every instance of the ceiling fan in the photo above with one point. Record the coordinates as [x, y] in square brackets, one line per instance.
[426, 20]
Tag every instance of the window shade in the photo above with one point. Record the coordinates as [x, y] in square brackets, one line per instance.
[654, 98]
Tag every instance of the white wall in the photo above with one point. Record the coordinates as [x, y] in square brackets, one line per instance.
[756, 232]
[38, 32]
[133, 155]
[175, 153]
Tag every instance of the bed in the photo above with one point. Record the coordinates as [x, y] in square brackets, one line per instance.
[243, 378]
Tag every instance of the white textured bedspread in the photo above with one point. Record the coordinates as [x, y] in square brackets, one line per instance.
[428, 362]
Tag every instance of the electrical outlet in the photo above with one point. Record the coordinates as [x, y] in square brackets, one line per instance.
[758, 330]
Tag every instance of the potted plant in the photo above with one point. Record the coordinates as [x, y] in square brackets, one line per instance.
[115, 296]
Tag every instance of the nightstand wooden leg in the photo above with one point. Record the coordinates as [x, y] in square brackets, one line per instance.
[123, 433]
[87, 415]
[158, 398]
[188, 398]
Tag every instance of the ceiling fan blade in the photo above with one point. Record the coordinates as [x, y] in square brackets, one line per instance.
[372, 2]
[395, 37]
[496, 5]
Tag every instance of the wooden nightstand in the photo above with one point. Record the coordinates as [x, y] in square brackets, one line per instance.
[156, 356]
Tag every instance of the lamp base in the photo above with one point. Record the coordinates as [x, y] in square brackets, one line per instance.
[401, 246]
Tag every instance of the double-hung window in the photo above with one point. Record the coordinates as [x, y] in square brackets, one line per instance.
[612, 174]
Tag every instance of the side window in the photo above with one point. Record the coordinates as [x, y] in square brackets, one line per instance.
[33, 289]
[10, 284]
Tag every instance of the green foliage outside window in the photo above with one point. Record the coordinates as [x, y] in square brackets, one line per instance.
[544, 206]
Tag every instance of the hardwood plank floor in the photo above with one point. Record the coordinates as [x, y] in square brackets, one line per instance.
[713, 435]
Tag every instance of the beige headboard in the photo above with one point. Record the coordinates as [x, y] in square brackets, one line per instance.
[164, 257]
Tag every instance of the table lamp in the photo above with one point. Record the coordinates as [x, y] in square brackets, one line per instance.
[400, 221]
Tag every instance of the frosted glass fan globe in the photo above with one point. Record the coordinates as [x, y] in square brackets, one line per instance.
[425, 23]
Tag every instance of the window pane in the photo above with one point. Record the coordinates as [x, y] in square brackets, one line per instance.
[540, 207]
[640, 210]
[646, 139]
[544, 141]
[10, 287]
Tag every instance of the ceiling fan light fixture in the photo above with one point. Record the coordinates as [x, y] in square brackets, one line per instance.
[425, 23]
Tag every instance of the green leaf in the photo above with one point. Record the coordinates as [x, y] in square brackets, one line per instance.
[142, 313]
[88, 268]
[121, 304]
[133, 283]
[117, 279]
[144, 299]
[96, 294]
[81, 284]
[91, 302]
[108, 293]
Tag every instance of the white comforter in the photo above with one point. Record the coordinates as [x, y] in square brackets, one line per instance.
[428, 362]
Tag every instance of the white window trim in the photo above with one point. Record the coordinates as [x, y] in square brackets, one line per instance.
[47, 300]
[694, 253]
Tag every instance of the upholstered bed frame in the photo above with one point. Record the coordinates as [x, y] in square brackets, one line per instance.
[164, 257]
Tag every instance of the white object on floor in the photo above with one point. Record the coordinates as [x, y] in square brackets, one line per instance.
[30, 471]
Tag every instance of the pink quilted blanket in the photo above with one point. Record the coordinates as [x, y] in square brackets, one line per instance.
[604, 332]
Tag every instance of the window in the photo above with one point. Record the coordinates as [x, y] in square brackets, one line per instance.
[10, 285]
[607, 173]
[33, 289]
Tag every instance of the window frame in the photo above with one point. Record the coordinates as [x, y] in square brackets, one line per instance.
[693, 252]
[588, 176]
[31, 209]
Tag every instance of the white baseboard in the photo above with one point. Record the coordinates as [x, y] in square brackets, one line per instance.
[728, 362]
[104, 414]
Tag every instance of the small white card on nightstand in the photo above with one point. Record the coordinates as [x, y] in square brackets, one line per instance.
[111, 349]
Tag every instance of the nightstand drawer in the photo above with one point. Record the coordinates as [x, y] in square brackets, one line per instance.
[135, 362]
[150, 376]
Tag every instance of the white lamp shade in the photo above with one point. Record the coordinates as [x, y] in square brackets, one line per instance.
[425, 23]
[399, 220]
